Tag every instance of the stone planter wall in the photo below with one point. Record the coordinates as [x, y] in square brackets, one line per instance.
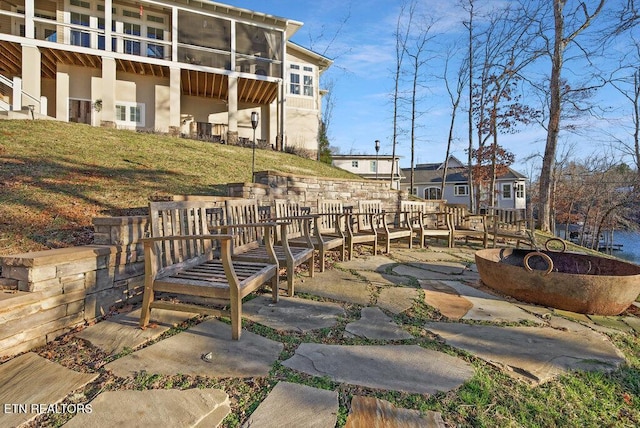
[271, 185]
[47, 293]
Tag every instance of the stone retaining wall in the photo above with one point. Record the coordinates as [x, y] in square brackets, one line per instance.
[272, 185]
[47, 293]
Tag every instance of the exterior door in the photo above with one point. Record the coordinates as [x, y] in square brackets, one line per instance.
[80, 111]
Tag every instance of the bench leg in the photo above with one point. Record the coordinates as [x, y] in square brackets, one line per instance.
[236, 314]
[274, 287]
[147, 299]
[290, 278]
[311, 265]
[321, 259]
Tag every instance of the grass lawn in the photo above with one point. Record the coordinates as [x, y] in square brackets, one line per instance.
[55, 177]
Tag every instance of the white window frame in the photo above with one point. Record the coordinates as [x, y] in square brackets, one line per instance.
[503, 188]
[461, 190]
[428, 189]
[355, 164]
[129, 106]
[519, 190]
[373, 167]
[306, 80]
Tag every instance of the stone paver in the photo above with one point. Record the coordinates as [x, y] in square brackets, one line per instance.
[533, 353]
[407, 368]
[371, 412]
[384, 280]
[155, 408]
[397, 299]
[633, 322]
[291, 314]
[294, 405]
[406, 255]
[374, 324]
[613, 323]
[377, 263]
[418, 273]
[203, 350]
[122, 331]
[337, 285]
[447, 268]
[573, 316]
[487, 307]
[446, 299]
[32, 381]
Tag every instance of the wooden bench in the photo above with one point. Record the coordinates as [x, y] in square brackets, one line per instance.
[359, 230]
[327, 233]
[428, 220]
[251, 245]
[508, 224]
[467, 225]
[388, 225]
[183, 258]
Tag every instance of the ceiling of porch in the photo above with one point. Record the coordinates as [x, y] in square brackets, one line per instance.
[193, 82]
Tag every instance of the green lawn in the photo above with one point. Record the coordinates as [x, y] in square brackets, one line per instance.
[55, 177]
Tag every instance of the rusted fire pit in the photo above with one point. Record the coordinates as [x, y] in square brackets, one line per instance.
[573, 282]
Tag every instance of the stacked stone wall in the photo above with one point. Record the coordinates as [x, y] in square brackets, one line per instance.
[47, 293]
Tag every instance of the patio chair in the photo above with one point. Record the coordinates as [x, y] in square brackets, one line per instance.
[467, 225]
[389, 225]
[428, 220]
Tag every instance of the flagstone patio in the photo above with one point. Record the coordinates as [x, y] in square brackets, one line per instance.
[371, 350]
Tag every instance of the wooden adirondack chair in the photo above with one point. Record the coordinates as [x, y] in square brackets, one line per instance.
[466, 225]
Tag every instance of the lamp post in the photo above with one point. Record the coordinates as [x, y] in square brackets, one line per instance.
[254, 125]
[377, 150]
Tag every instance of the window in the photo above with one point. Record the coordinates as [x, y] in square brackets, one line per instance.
[354, 164]
[131, 46]
[432, 193]
[79, 3]
[50, 35]
[155, 51]
[130, 114]
[414, 191]
[301, 75]
[520, 190]
[506, 191]
[374, 166]
[80, 38]
[461, 190]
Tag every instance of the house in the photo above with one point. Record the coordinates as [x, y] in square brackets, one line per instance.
[191, 67]
[371, 167]
[510, 187]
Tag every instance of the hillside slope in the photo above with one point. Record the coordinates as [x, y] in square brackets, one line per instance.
[55, 177]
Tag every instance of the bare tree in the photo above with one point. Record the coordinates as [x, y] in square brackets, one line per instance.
[469, 26]
[416, 51]
[402, 32]
[561, 41]
[455, 96]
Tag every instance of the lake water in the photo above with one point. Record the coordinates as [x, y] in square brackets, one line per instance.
[630, 245]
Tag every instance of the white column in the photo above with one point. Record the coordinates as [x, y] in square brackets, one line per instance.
[108, 96]
[29, 24]
[108, 17]
[175, 96]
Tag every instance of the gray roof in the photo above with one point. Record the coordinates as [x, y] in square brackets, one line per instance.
[432, 173]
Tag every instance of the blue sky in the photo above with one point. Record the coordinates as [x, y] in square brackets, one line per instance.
[362, 79]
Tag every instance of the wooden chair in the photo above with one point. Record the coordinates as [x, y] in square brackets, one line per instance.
[428, 220]
[250, 245]
[181, 258]
[508, 224]
[327, 233]
[386, 229]
[467, 225]
[360, 230]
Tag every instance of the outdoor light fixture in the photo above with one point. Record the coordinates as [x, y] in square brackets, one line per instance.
[254, 124]
[377, 150]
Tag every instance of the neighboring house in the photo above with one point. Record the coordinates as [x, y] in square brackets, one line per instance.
[371, 167]
[427, 183]
[187, 66]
